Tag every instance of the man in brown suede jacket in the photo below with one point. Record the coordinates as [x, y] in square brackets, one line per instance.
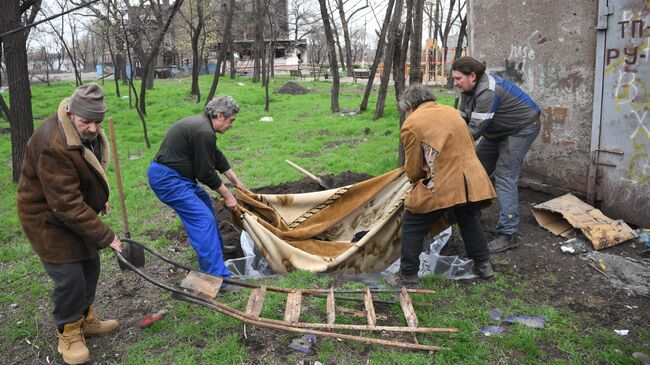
[447, 178]
[62, 189]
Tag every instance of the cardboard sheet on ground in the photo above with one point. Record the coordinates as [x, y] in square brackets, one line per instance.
[561, 215]
[348, 230]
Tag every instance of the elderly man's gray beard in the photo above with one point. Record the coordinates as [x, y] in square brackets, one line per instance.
[88, 136]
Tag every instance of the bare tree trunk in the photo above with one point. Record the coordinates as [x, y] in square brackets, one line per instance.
[47, 66]
[77, 77]
[4, 108]
[116, 65]
[415, 74]
[388, 60]
[150, 62]
[222, 52]
[258, 47]
[459, 47]
[21, 121]
[77, 72]
[335, 33]
[233, 67]
[346, 35]
[378, 55]
[267, 72]
[132, 88]
[400, 79]
[150, 75]
[196, 34]
[271, 53]
[331, 48]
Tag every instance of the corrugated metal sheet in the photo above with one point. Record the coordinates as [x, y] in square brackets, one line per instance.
[620, 170]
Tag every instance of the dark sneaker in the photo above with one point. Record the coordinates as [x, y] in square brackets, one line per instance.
[502, 242]
[483, 269]
[402, 281]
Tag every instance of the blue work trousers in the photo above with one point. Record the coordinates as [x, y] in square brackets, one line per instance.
[502, 158]
[194, 207]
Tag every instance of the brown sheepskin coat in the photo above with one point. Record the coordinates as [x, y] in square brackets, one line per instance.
[61, 191]
[458, 175]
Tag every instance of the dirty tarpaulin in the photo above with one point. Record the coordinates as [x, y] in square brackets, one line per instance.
[348, 230]
[561, 215]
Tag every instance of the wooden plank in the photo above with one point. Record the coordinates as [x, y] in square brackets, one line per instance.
[407, 307]
[256, 301]
[360, 314]
[202, 284]
[292, 310]
[370, 308]
[331, 312]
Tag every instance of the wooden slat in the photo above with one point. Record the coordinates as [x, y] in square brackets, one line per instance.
[407, 308]
[256, 301]
[360, 314]
[331, 312]
[370, 307]
[202, 284]
[292, 310]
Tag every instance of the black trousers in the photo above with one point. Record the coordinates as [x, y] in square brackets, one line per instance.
[416, 226]
[74, 289]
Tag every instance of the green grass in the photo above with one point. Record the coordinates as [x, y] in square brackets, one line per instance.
[304, 131]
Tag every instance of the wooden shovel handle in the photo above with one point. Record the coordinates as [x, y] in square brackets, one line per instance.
[118, 177]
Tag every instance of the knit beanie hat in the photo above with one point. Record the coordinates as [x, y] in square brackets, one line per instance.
[88, 102]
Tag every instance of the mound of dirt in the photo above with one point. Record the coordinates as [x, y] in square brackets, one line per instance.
[292, 88]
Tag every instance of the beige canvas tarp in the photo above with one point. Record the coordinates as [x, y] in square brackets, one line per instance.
[315, 231]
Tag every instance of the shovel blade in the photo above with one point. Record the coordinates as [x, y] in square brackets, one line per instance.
[134, 254]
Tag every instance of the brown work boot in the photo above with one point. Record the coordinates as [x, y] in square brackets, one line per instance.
[93, 326]
[403, 281]
[72, 344]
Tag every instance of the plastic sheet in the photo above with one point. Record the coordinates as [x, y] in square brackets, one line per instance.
[431, 262]
[254, 265]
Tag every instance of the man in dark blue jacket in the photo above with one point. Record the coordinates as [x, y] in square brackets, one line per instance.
[508, 120]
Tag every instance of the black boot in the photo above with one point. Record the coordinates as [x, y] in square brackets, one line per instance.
[483, 269]
[402, 281]
[502, 242]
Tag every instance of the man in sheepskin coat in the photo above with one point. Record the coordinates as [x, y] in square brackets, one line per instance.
[62, 189]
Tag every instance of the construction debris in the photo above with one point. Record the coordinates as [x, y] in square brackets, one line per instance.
[561, 215]
[627, 274]
[202, 288]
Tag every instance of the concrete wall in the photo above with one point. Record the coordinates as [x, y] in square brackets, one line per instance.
[548, 48]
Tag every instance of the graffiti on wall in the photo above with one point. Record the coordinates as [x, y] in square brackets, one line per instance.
[626, 66]
[515, 65]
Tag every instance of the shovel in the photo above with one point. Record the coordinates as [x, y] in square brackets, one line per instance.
[317, 179]
[132, 253]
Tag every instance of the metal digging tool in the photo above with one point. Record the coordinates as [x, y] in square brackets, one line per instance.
[133, 253]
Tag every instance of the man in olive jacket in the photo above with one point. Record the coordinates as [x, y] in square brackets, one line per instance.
[62, 189]
[448, 180]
